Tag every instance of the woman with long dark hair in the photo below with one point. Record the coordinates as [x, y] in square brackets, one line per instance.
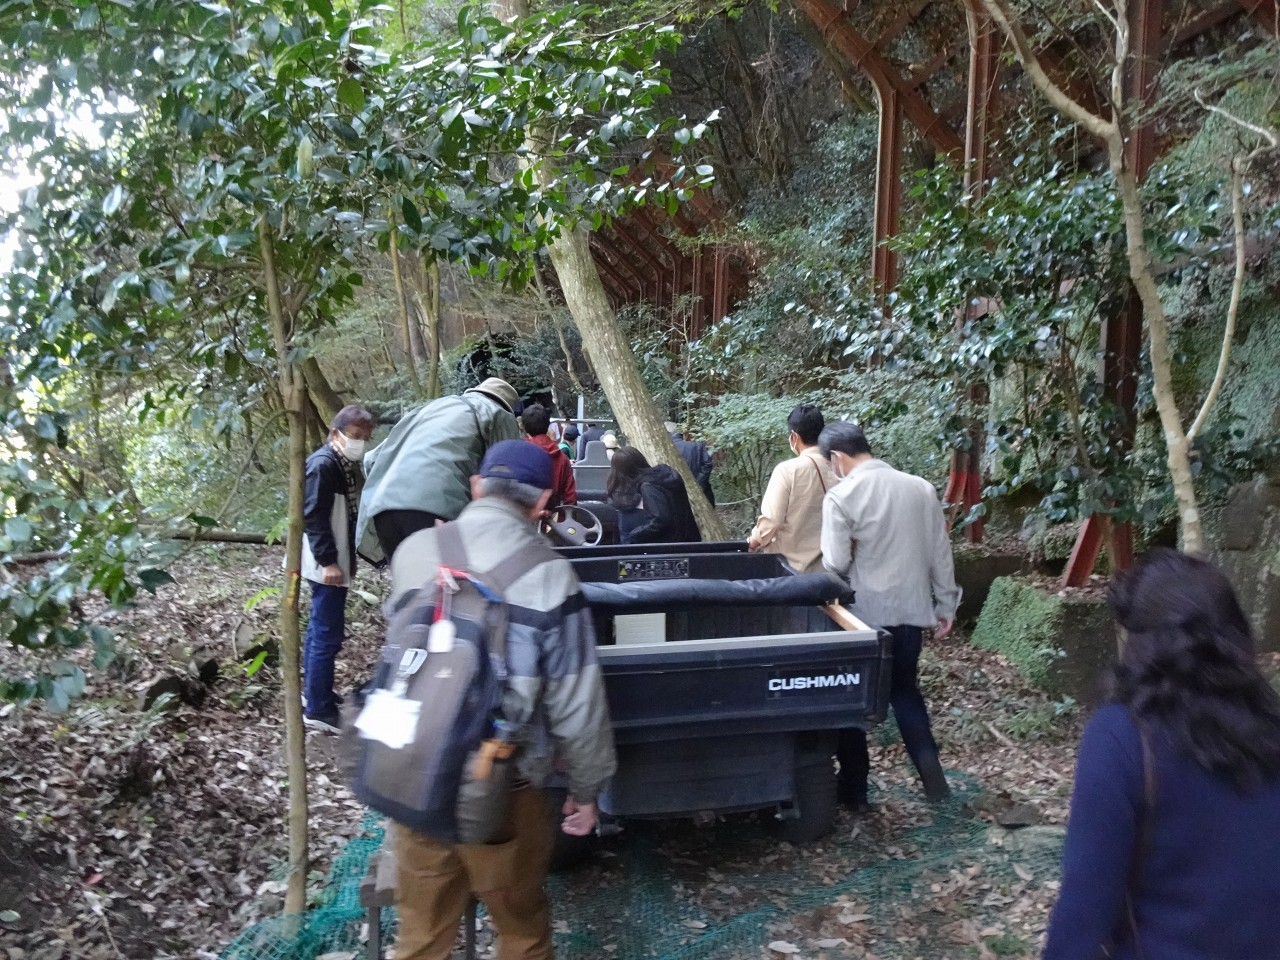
[1173, 847]
[652, 502]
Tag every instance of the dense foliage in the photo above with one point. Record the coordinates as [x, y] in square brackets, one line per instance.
[170, 144]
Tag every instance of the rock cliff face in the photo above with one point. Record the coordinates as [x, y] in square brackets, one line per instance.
[1060, 640]
[1245, 533]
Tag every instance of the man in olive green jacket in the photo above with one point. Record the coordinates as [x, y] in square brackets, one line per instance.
[422, 472]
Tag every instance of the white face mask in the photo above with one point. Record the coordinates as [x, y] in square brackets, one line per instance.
[352, 448]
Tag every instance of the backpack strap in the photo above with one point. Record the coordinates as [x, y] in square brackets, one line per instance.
[511, 568]
[499, 578]
[453, 553]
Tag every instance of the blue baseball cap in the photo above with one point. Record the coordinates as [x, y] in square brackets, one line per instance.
[519, 460]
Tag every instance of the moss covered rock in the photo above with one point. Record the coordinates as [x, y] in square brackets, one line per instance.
[1061, 641]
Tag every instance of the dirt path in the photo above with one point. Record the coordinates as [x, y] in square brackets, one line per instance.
[160, 834]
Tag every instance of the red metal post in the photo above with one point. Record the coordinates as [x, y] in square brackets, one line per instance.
[697, 288]
[861, 52]
[720, 294]
[1122, 331]
[884, 261]
[964, 485]
[1266, 12]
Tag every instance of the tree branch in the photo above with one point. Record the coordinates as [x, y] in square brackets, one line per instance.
[1011, 25]
[1239, 167]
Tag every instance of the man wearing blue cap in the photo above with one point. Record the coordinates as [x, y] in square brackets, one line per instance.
[554, 689]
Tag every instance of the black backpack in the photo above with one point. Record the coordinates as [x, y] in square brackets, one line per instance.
[451, 777]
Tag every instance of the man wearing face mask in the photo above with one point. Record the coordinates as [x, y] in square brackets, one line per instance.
[791, 512]
[329, 555]
[883, 530]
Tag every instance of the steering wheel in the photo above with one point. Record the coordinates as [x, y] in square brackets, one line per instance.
[573, 526]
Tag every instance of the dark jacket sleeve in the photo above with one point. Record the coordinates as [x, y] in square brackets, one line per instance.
[703, 473]
[322, 486]
[1102, 837]
[659, 524]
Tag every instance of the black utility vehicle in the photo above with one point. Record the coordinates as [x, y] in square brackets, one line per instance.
[727, 677]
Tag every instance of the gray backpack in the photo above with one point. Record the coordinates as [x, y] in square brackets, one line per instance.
[451, 776]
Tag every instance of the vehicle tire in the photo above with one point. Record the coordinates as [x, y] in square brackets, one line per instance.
[566, 851]
[815, 803]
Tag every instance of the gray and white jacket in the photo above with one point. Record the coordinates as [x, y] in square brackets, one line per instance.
[554, 676]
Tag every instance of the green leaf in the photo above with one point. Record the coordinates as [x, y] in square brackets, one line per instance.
[111, 202]
[412, 219]
[46, 428]
[18, 529]
[104, 646]
[57, 700]
[351, 94]
[153, 577]
[345, 130]
[270, 30]
[202, 521]
[9, 916]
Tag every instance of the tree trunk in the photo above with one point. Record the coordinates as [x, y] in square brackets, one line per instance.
[402, 309]
[615, 365]
[1144, 281]
[429, 304]
[292, 391]
[611, 355]
[326, 399]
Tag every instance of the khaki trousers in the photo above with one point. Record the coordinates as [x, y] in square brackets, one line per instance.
[436, 879]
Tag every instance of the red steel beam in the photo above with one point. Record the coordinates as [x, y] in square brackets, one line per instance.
[1264, 11]
[720, 287]
[622, 283]
[984, 49]
[964, 486]
[884, 261]
[1122, 330]
[1205, 22]
[904, 19]
[930, 69]
[838, 32]
[621, 262]
[622, 238]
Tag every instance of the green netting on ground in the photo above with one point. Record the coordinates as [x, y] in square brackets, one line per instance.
[333, 926]
[672, 891]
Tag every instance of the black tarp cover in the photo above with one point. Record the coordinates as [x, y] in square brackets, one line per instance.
[667, 596]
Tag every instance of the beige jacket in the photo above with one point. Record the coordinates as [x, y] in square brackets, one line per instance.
[883, 531]
[791, 512]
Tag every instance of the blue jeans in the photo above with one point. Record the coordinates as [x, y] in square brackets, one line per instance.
[908, 709]
[320, 649]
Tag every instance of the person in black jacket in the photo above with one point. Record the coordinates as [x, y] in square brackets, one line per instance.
[652, 503]
[697, 456]
[329, 555]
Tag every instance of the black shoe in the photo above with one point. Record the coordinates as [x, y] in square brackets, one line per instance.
[326, 723]
[853, 796]
[936, 788]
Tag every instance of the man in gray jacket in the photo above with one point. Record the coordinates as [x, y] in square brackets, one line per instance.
[422, 471]
[553, 683]
[883, 531]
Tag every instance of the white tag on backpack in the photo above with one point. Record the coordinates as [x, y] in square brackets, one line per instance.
[389, 719]
[441, 636]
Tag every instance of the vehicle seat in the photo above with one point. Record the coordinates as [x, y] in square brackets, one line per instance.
[591, 473]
